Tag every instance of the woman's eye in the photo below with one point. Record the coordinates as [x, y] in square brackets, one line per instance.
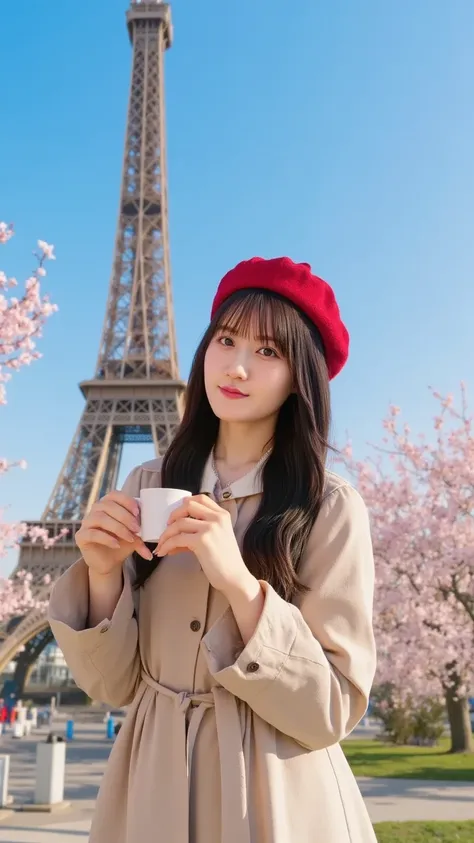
[268, 352]
[225, 341]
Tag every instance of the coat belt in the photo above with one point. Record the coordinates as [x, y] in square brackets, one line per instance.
[234, 806]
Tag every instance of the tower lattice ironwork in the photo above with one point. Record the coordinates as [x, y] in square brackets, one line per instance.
[136, 394]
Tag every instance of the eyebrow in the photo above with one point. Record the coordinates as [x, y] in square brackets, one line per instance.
[228, 329]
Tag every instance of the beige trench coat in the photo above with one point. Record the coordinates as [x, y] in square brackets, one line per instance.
[224, 743]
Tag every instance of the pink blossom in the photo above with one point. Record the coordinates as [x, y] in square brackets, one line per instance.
[47, 250]
[421, 502]
[22, 318]
[17, 598]
[21, 322]
[6, 232]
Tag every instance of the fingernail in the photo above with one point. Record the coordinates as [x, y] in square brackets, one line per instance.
[149, 555]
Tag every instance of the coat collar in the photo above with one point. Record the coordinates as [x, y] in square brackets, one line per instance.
[250, 484]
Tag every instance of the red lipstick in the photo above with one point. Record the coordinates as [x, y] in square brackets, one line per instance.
[232, 392]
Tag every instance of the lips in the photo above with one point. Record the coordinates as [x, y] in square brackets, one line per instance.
[232, 392]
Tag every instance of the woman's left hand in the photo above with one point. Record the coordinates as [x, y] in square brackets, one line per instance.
[205, 528]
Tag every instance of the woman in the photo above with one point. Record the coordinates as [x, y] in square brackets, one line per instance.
[243, 641]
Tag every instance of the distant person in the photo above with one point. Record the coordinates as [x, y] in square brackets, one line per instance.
[244, 646]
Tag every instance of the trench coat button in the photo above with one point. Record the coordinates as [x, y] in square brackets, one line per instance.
[253, 667]
[104, 629]
[195, 626]
[226, 495]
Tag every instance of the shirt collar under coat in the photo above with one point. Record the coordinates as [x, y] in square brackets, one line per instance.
[250, 484]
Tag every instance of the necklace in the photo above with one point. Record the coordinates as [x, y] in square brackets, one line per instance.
[226, 485]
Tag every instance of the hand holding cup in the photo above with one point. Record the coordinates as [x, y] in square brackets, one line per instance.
[110, 533]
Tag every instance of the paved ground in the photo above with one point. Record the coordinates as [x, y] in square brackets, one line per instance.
[386, 799]
[64, 832]
[400, 800]
[86, 759]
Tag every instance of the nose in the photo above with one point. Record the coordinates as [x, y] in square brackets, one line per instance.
[238, 366]
[237, 372]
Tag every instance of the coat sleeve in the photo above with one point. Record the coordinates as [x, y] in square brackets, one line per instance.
[104, 660]
[309, 667]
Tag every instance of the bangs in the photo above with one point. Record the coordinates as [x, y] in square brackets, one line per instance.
[267, 317]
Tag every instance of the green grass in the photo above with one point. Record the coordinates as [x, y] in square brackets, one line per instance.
[452, 832]
[374, 758]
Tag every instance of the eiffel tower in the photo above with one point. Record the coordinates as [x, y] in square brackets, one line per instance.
[136, 394]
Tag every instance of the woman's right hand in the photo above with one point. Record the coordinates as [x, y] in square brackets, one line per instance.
[108, 533]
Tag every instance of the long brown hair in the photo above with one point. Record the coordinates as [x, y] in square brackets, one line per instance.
[293, 474]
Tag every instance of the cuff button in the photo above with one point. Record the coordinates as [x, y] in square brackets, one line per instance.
[253, 667]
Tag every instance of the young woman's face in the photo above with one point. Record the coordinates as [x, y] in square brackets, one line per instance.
[246, 379]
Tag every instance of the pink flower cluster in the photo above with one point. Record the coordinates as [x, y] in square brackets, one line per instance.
[21, 323]
[22, 319]
[420, 496]
[17, 596]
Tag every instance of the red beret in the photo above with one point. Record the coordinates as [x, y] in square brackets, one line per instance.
[295, 282]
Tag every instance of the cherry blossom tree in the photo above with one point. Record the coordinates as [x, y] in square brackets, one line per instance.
[21, 323]
[17, 596]
[420, 494]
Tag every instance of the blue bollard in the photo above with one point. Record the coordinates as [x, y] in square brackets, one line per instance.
[70, 730]
[110, 728]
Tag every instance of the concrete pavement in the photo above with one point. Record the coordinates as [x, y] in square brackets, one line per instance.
[401, 800]
[67, 832]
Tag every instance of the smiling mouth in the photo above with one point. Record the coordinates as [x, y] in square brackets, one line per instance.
[230, 392]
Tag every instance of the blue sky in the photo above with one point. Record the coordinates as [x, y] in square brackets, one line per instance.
[338, 133]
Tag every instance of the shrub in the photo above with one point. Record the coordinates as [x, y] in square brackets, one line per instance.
[405, 723]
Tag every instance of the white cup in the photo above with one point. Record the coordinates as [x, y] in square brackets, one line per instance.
[156, 506]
